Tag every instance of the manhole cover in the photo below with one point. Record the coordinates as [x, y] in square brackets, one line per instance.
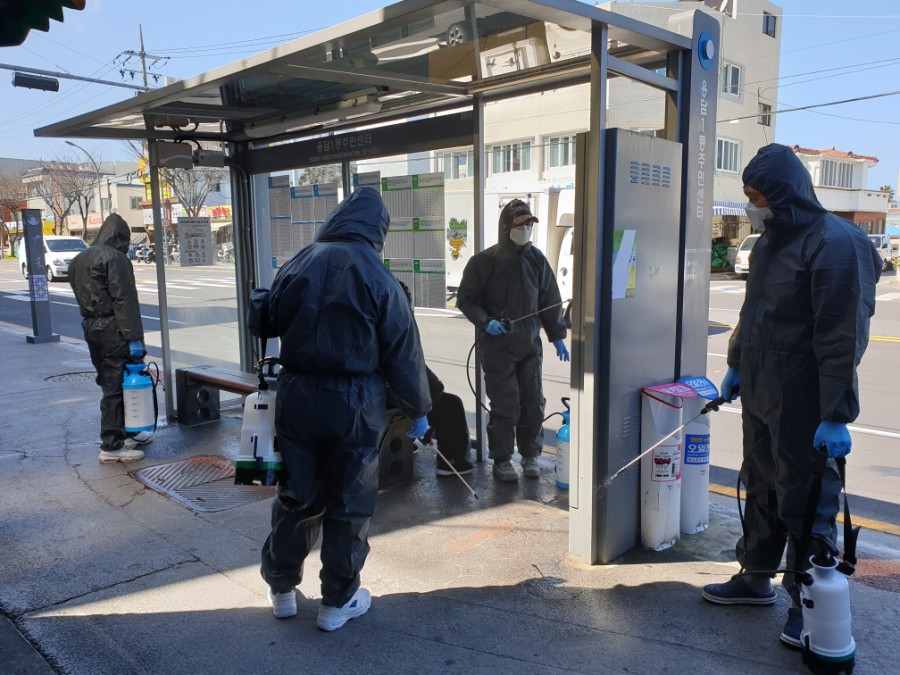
[73, 377]
[202, 483]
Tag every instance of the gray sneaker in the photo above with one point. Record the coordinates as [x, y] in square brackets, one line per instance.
[530, 467]
[123, 455]
[505, 472]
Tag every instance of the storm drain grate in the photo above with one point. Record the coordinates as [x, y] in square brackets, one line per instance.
[203, 484]
[73, 377]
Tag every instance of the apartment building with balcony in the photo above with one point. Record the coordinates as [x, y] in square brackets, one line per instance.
[840, 180]
[530, 140]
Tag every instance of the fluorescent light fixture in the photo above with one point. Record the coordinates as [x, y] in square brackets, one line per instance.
[333, 112]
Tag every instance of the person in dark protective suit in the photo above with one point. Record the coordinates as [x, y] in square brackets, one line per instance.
[792, 358]
[447, 420]
[346, 330]
[102, 280]
[512, 280]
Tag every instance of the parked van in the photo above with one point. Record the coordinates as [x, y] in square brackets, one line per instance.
[882, 244]
[742, 259]
[58, 253]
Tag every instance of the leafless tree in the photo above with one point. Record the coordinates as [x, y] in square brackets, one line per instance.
[190, 186]
[80, 182]
[12, 196]
[320, 174]
[49, 183]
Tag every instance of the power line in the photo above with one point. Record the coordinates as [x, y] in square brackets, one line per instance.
[815, 105]
[231, 44]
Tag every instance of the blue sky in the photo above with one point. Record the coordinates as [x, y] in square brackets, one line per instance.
[831, 50]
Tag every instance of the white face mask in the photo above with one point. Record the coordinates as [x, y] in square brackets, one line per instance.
[521, 235]
[758, 215]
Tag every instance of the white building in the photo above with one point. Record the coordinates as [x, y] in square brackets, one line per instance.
[840, 180]
[530, 140]
[748, 90]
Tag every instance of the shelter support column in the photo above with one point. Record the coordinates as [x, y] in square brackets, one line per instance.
[589, 413]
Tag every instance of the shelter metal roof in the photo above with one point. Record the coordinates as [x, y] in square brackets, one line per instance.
[410, 58]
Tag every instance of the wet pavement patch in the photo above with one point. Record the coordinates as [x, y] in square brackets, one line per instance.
[881, 574]
[204, 484]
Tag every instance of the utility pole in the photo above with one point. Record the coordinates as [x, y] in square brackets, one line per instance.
[142, 56]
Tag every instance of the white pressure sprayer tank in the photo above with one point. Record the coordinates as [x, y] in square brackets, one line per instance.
[258, 461]
[661, 413]
[138, 398]
[828, 645]
[695, 470]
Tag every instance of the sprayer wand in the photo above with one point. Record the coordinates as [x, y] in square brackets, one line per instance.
[453, 469]
[709, 407]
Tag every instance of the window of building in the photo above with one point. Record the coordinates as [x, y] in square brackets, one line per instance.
[559, 151]
[764, 116]
[135, 203]
[836, 174]
[728, 155]
[510, 157]
[455, 164]
[731, 79]
[769, 24]
[104, 204]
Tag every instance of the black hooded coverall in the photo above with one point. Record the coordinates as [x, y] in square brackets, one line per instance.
[803, 329]
[346, 328]
[507, 281]
[102, 280]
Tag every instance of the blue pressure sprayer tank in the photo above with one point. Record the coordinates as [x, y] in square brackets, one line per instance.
[138, 397]
[562, 449]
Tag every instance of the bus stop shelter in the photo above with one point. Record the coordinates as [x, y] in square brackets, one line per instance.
[417, 77]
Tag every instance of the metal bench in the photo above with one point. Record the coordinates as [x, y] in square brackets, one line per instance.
[198, 389]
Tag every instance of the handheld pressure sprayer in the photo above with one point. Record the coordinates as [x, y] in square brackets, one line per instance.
[826, 639]
[139, 397]
[712, 406]
[259, 461]
[828, 645]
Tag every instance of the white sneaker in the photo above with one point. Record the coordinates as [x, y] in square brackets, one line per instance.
[284, 605]
[332, 618]
[143, 437]
[126, 454]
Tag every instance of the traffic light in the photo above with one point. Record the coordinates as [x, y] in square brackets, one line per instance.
[35, 82]
[17, 17]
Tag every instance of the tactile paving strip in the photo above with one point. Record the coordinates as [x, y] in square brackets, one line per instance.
[203, 484]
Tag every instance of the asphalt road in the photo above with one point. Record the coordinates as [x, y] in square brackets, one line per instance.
[203, 322]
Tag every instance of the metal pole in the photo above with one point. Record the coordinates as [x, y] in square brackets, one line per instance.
[159, 237]
[99, 184]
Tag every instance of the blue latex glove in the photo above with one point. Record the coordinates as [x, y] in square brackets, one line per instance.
[834, 437]
[731, 385]
[561, 350]
[494, 327]
[419, 428]
[136, 349]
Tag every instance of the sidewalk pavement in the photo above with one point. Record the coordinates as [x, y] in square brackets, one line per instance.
[102, 574]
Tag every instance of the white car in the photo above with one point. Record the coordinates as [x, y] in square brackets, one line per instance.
[58, 253]
[882, 243]
[742, 261]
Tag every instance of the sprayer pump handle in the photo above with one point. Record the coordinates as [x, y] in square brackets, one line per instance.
[713, 406]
